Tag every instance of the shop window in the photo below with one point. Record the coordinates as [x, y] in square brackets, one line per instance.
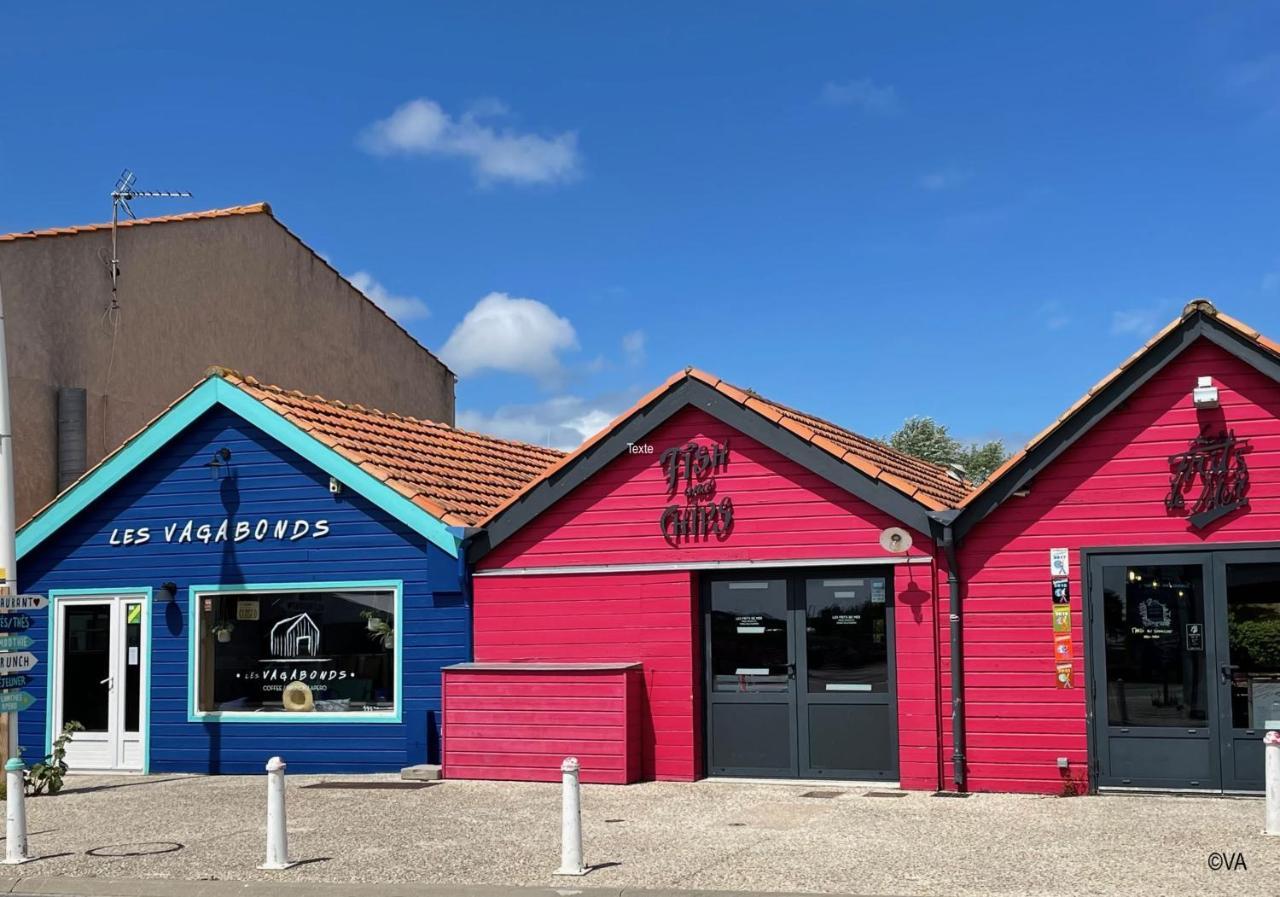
[297, 651]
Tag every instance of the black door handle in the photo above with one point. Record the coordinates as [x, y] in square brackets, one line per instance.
[1227, 670]
[791, 670]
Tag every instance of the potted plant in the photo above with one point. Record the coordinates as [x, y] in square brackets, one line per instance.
[223, 630]
[380, 630]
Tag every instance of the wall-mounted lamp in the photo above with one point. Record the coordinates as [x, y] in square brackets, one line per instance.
[168, 592]
[220, 461]
[1205, 395]
[335, 487]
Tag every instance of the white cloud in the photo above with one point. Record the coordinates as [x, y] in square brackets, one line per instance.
[633, 347]
[402, 308]
[1143, 322]
[943, 179]
[1053, 314]
[562, 422]
[422, 127]
[506, 333]
[862, 93]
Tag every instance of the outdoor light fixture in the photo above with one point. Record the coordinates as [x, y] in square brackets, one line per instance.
[1205, 395]
[168, 592]
[220, 460]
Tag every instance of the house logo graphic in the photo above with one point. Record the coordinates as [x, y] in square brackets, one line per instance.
[290, 635]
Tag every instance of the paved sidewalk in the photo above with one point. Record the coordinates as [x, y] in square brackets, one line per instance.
[708, 835]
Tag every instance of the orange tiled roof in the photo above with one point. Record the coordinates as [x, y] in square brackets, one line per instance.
[253, 209]
[455, 475]
[1203, 306]
[933, 486]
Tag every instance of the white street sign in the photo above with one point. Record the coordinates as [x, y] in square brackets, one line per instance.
[17, 661]
[22, 602]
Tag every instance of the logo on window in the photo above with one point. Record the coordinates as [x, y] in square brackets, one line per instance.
[295, 636]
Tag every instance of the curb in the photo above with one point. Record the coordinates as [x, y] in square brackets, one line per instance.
[59, 886]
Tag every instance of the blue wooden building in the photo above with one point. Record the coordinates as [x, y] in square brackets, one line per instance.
[259, 572]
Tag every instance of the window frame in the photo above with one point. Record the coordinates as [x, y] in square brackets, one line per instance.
[195, 596]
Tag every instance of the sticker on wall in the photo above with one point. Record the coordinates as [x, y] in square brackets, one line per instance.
[1062, 591]
[1065, 676]
[247, 610]
[134, 614]
[1195, 636]
[877, 591]
[1062, 648]
[1058, 562]
[1061, 619]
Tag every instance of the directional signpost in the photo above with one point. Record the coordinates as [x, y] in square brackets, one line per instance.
[22, 602]
[15, 660]
[15, 643]
[15, 701]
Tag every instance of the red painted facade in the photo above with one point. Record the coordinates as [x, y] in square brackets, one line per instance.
[541, 596]
[782, 512]
[1106, 490]
[521, 723]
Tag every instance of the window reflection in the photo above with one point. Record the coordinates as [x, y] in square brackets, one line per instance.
[846, 638]
[1253, 644]
[1155, 645]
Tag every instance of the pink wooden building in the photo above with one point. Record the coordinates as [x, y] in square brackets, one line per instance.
[718, 585]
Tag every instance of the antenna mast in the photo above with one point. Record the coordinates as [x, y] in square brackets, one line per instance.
[121, 196]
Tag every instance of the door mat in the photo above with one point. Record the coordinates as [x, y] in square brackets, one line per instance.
[884, 794]
[951, 794]
[372, 786]
[822, 795]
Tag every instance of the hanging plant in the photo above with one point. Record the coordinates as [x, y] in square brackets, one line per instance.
[381, 632]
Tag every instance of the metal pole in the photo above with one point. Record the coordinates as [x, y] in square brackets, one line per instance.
[1272, 749]
[15, 814]
[277, 829]
[570, 820]
[8, 550]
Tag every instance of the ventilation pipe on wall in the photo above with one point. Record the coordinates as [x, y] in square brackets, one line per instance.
[955, 611]
[72, 435]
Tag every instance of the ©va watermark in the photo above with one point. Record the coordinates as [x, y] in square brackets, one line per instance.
[1226, 861]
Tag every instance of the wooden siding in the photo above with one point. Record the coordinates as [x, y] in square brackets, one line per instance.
[1106, 490]
[520, 724]
[781, 512]
[270, 481]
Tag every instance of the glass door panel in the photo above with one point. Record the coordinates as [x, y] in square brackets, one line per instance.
[751, 691]
[1155, 701]
[86, 666]
[750, 637]
[1248, 664]
[847, 646]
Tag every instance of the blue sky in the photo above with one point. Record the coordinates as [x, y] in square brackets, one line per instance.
[866, 210]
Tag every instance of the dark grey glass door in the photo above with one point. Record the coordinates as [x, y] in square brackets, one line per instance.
[1155, 705]
[800, 675]
[751, 683]
[1247, 666]
[849, 723]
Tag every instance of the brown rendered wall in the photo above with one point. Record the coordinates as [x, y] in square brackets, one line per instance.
[238, 291]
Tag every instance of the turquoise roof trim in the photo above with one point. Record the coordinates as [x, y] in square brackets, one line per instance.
[216, 391]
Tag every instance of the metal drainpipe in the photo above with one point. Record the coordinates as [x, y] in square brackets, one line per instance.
[955, 609]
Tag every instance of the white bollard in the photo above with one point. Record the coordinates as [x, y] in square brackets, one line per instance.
[1272, 749]
[570, 821]
[15, 814]
[277, 829]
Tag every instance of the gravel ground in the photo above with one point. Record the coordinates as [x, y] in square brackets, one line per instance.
[708, 835]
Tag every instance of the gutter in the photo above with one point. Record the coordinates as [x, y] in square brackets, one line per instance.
[464, 535]
[955, 611]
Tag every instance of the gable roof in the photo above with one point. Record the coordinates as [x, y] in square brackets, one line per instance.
[429, 475]
[905, 487]
[456, 475]
[256, 208]
[1200, 319]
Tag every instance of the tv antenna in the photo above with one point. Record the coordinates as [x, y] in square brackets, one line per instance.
[121, 196]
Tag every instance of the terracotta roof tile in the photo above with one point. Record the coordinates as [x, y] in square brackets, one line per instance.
[454, 474]
[253, 209]
[933, 486]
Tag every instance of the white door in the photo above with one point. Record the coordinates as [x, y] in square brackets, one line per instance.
[101, 649]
